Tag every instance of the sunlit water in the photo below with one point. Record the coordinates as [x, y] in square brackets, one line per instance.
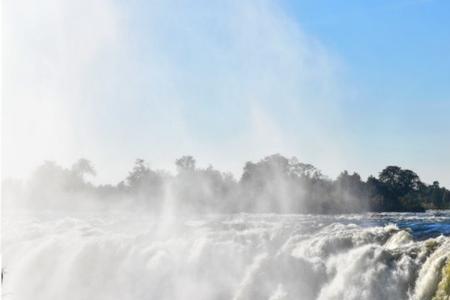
[133, 256]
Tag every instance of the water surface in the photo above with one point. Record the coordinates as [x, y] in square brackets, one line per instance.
[245, 256]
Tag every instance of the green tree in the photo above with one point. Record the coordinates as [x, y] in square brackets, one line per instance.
[395, 184]
[185, 163]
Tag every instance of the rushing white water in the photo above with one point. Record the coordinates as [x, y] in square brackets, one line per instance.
[129, 256]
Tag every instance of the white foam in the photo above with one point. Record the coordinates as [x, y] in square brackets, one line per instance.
[216, 257]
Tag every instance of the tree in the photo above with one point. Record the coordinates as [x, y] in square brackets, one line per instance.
[299, 169]
[185, 163]
[350, 193]
[397, 184]
[83, 167]
[138, 174]
[145, 184]
[75, 176]
[279, 184]
[399, 181]
[274, 184]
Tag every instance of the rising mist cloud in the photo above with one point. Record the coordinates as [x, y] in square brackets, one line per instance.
[226, 81]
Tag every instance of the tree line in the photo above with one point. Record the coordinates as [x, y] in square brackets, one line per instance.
[275, 184]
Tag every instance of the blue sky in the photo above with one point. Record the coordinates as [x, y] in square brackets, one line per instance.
[394, 49]
[397, 58]
[353, 85]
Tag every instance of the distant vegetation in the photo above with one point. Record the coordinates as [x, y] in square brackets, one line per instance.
[274, 184]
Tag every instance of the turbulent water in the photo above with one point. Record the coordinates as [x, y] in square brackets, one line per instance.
[131, 256]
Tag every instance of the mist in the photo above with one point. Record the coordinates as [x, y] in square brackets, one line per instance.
[315, 128]
[274, 184]
[112, 88]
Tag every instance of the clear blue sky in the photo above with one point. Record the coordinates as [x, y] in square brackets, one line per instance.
[397, 54]
[353, 85]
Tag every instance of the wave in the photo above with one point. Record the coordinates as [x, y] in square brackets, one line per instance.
[221, 257]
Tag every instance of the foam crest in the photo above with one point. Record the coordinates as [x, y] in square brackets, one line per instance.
[220, 257]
